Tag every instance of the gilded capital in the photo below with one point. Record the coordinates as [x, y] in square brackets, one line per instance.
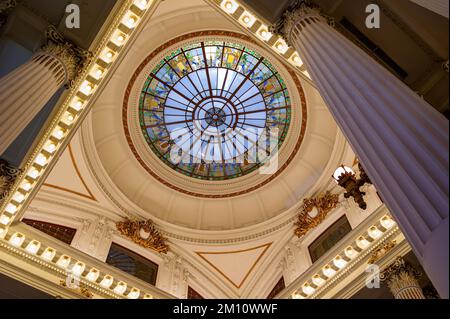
[399, 269]
[73, 57]
[299, 10]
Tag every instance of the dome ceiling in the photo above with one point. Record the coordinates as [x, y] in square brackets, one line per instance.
[207, 109]
[128, 131]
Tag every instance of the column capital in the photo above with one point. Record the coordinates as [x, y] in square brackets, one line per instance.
[295, 13]
[72, 56]
[399, 268]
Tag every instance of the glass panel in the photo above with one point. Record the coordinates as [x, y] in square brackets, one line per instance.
[199, 119]
[132, 263]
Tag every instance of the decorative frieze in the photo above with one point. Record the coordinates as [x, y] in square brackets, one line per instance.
[314, 211]
[143, 233]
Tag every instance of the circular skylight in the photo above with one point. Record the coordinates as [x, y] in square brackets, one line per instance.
[214, 110]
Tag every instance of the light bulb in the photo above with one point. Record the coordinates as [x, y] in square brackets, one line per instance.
[41, 160]
[17, 239]
[93, 274]
[33, 247]
[78, 105]
[362, 242]
[131, 21]
[120, 288]
[63, 261]
[11, 208]
[78, 268]
[134, 293]
[387, 222]
[109, 55]
[120, 38]
[26, 186]
[99, 72]
[19, 197]
[48, 254]
[374, 232]
[4, 220]
[350, 252]
[228, 5]
[33, 173]
[328, 271]
[59, 134]
[317, 280]
[339, 262]
[307, 289]
[51, 148]
[107, 281]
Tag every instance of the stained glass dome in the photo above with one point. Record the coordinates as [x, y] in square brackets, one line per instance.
[207, 109]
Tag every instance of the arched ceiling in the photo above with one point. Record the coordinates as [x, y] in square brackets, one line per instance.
[174, 199]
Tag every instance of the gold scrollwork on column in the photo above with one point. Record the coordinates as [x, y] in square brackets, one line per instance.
[143, 233]
[8, 175]
[314, 211]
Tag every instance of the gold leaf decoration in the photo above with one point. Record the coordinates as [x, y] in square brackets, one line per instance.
[80, 289]
[144, 234]
[380, 252]
[323, 204]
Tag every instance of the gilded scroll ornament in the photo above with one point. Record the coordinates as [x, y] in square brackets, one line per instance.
[314, 211]
[143, 233]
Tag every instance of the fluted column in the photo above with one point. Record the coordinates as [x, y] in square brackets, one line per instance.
[399, 138]
[26, 90]
[437, 6]
[402, 280]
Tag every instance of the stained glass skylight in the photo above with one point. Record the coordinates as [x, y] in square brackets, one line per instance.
[209, 108]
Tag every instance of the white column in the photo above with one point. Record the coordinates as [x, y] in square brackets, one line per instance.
[437, 6]
[26, 90]
[401, 140]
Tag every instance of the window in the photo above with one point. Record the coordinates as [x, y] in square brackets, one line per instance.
[329, 238]
[192, 294]
[207, 107]
[132, 263]
[64, 234]
[279, 287]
